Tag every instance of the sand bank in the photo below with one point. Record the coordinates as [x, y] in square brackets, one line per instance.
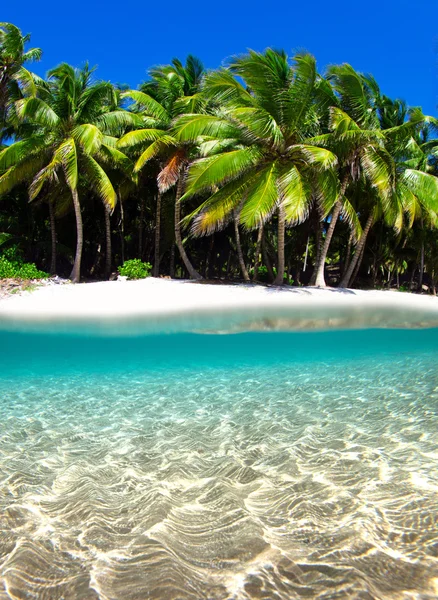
[155, 305]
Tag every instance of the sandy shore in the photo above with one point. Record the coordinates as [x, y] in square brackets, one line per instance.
[151, 305]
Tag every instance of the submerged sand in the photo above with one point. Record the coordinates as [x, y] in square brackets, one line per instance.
[156, 305]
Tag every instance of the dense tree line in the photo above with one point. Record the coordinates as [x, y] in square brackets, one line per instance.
[262, 170]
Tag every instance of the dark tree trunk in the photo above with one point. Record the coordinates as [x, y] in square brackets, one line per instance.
[53, 238]
[179, 192]
[156, 271]
[172, 262]
[208, 257]
[75, 275]
[141, 228]
[421, 273]
[257, 253]
[411, 281]
[357, 267]
[345, 282]
[347, 254]
[266, 259]
[122, 231]
[243, 268]
[108, 243]
[434, 281]
[280, 245]
[227, 272]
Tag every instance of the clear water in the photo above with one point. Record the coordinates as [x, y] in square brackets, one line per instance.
[275, 466]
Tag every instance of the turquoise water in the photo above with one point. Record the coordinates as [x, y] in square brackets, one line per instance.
[274, 466]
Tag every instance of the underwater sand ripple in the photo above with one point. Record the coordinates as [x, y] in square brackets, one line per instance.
[222, 484]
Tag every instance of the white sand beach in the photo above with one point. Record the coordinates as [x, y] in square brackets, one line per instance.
[151, 305]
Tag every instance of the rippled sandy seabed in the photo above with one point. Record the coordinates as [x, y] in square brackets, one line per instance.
[276, 475]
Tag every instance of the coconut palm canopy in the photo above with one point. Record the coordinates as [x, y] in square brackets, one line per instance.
[264, 168]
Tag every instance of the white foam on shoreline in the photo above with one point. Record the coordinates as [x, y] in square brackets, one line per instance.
[155, 305]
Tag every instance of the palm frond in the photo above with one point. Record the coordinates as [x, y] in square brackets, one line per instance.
[211, 171]
[258, 124]
[351, 217]
[140, 136]
[115, 158]
[298, 97]
[20, 173]
[379, 169]
[326, 189]
[21, 150]
[424, 186]
[100, 182]
[189, 128]
[89, 137]
[147, 104]
[169, 175]
[115, 122]
[46, 174]
[261, 198]
[66, 154]
[224, 89]
[214, 214]
[157, 148]
[37, 111]
[312, 155]
[295, 194]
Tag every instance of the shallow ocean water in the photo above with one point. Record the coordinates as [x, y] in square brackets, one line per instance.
[275, 466]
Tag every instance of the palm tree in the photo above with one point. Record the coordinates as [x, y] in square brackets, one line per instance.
[411, 191]
[357, 139]
[264, 163]
[173, 90]
[69, 118]
[12, 72]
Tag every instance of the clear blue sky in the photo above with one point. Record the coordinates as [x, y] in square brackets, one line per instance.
[395, 40]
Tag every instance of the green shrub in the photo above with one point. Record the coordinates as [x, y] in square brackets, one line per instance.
[263, 275]
[135, 269]
[16, 269]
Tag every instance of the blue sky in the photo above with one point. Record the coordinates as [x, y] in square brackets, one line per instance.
[395, 40]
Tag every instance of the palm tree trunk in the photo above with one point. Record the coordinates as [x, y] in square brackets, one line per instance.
[306, 255]
[411, 281]
[347, 254]
[266, 259]
[227, 272]
[434, 282]
[208, 257]
[257, 253]
[179, 192]
[421, 274]
[53, 238]
[243, 268]
[319, 239]
[108, 243]
[280, 245]
[122, 231]
[318, 277]
[357, 267]
[319, 280]
[141, 228]
[75, 275]
[172, 262]
[359, 248]
[156, 271]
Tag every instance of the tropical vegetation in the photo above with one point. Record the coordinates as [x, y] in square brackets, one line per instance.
[263, 170]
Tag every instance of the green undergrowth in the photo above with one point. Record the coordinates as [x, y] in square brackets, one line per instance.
[135, 269]
[12, 266]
